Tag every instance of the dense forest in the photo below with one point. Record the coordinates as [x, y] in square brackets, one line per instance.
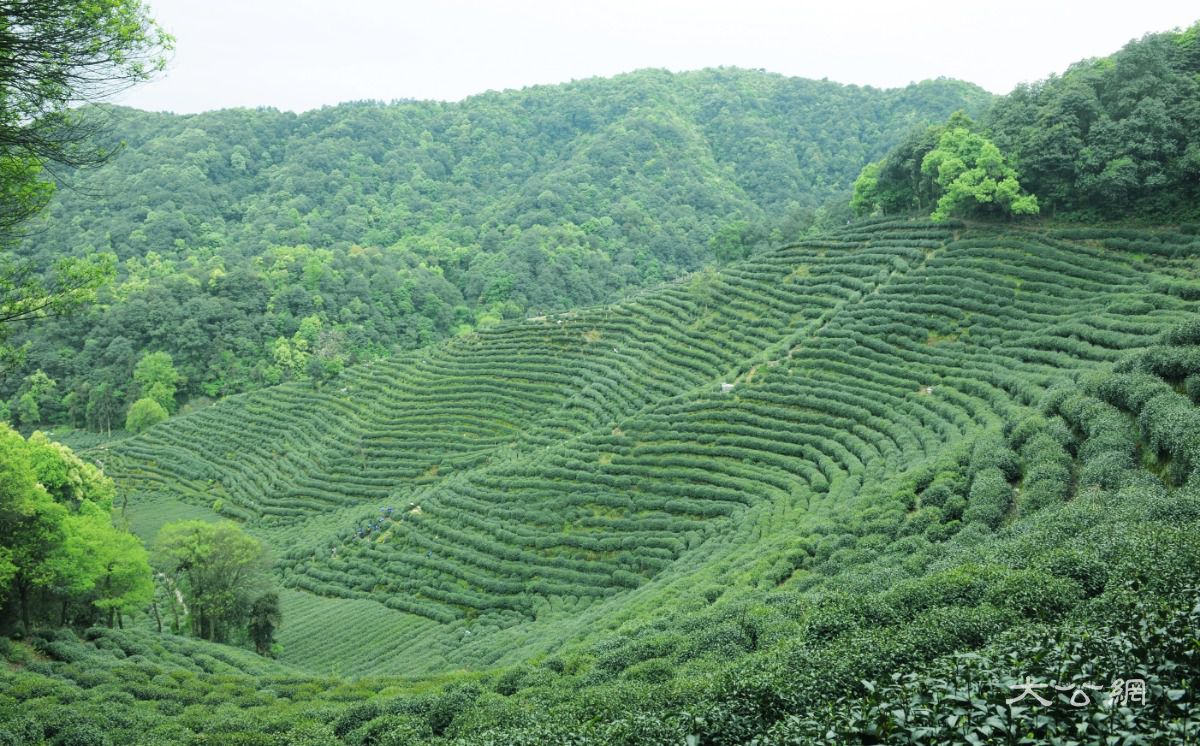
[1111, 138]
[255, 247]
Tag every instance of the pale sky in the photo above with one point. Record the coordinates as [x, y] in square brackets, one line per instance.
[303, 54]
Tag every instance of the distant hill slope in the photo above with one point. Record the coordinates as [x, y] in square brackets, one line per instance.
[391, 226]
[553, 476]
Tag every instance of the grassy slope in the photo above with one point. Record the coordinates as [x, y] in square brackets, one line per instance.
[581, 472]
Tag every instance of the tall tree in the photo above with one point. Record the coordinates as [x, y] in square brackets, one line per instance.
[974, 178]
[31, 525]
[265, 618]
[219, 569]
[157, 379]
[56, 55]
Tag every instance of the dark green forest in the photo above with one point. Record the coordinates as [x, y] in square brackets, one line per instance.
[1113, 138]
[260, 246]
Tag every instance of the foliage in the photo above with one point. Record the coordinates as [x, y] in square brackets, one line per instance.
[1110, 137]
[395, 226]
[726, 565]
[973, 178]
[220, 572]
[850, 489]
[61, 557]
[952, 168]
[265, 618]
[144, 414]
[58, 54]
[522, 528]
[157, 379]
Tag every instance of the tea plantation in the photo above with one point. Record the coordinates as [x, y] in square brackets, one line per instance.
[778, 503]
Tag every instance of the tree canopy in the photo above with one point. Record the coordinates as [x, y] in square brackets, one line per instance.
[220, 571]
[973, 177]
[256, 247]
[1112, 137]
[55, 55]
[62, 558]
[58, 54]
[951, 169]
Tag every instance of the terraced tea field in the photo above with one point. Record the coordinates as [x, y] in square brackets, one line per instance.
[488, 499]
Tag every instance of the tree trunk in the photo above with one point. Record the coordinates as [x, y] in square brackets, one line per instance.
[157, 618]
[23, 597]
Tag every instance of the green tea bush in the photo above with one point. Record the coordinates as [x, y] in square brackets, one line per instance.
[989, 498]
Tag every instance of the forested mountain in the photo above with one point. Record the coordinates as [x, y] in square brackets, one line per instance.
[251, 243]
[1111, 138]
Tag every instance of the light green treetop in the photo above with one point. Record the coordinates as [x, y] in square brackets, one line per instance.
[158, 379]
[57, 532]
[866, 187]
[973, 177]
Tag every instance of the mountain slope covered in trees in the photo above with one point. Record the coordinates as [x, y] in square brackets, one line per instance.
[252, 242]
[1111, 138]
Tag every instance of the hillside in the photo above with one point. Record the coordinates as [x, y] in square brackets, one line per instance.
[920, 451]
[1112, 138]
[579, 415]
[251, 241]
[560, 471]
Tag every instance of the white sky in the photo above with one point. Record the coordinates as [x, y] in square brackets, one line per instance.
[303, 54]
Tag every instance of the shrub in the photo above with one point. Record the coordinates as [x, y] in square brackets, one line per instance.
[389, 730]
[989, 498]
[355, 717]
[447, 705]
[1034, 594]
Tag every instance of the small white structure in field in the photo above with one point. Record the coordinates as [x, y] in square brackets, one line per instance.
[726, 387]
[928, 389]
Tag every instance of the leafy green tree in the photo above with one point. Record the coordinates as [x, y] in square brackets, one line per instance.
[58, 54]
[69, 479]
[866, 190]
[219, 569]
[144, 414]
[59, 549]
[31, 523]
[27, 293]
[103, 407]
[123, 583]
[157, 379]
[265, 618]
[35, 391]
[974, 178]
[734, 240]
[1112, 136]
